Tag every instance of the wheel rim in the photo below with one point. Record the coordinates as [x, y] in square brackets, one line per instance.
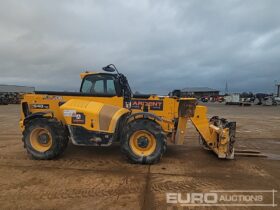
[142, 143]
[41, 139]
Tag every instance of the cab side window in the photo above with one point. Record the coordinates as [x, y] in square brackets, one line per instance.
[99, 84]
[111, 87]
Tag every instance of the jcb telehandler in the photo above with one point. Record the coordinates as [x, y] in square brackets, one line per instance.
[105, 110]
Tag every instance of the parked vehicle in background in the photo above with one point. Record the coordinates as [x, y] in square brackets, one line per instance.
[10, 98]
[277, 100]
[3, 100]
[204, 99]
[221, 99]
[233, 99]
[266, 99]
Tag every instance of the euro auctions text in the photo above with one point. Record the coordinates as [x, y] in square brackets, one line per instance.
[223, 198]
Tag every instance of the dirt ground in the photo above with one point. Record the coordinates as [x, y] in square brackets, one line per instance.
[100, 178]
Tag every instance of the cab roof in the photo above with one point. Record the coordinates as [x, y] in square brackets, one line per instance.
[84, 74]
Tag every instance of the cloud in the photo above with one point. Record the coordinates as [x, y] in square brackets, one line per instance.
[159, 45]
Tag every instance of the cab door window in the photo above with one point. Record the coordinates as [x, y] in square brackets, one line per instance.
[99, 84]
[98, 87]
[86, 86]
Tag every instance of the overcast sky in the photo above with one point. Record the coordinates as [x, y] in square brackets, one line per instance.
[160, 45]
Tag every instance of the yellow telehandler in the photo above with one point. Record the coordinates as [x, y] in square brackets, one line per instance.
[105, 111]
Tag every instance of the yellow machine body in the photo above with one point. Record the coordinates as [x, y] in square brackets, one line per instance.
[101, 114]
[41, 103]
[93, 116]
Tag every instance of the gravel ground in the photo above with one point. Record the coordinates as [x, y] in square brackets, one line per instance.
[100, 178]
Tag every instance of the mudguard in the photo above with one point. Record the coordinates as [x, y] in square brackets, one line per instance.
[144, 115]
[36, 115]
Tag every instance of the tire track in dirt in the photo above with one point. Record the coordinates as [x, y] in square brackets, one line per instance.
[78, 164]
[65, 162]
[66, 179]
[13, 138]
[38, 184]
[182, 186]
[9, 147]
[37, 193]
[147, 195]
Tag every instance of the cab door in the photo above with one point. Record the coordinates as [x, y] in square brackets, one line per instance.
[102, 88]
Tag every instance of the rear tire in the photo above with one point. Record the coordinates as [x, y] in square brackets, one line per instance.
[45, 138]
[143, 141]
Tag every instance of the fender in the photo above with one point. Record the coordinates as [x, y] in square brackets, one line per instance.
[36, 115]
[144, 115]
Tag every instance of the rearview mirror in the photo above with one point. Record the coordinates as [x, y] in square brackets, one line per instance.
[108, 69]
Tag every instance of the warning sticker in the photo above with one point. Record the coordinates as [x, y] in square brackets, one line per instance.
[69, 112]
[79, 118]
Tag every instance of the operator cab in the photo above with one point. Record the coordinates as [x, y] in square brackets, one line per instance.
[106, 84]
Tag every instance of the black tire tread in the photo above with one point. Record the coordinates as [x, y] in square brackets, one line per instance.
[59, 135]
[155, 129]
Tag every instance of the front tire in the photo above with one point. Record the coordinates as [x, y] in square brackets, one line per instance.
[143, 141]
[45, 138]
